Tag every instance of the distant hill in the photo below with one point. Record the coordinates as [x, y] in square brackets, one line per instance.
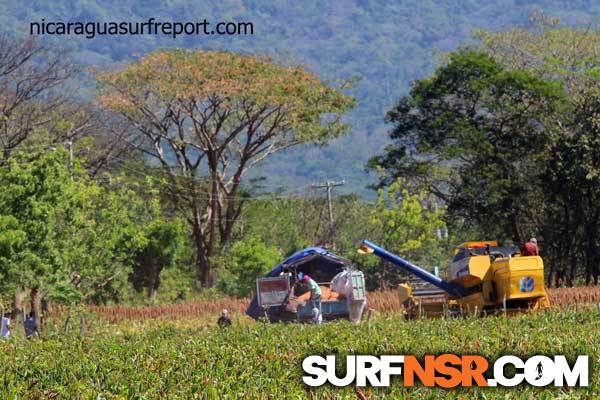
[387, 44]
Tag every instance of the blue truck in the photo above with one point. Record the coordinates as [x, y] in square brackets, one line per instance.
[276, 291]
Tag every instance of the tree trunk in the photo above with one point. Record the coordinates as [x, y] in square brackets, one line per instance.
[152, 292]
[202, 253]
[154, 284]
[214, 213]
[17, 308]
[517, 235]
[36, 307]
[572, 268]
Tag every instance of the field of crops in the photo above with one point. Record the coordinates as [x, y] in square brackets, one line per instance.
[382, 302]
[191, 358]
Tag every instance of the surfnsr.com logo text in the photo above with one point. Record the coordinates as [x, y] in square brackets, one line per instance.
[447, 371]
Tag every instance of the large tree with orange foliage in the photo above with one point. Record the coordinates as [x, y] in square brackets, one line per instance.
[209, 117]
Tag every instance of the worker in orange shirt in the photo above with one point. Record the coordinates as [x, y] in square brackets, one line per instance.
[530, 248]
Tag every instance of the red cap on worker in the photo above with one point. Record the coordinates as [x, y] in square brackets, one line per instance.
[306, 278]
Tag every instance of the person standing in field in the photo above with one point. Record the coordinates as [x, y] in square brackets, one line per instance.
[5, 326]
[30, 325]
[224, 319]
[530, 248]
[315, 294]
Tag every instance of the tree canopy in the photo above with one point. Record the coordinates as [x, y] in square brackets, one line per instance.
[505, 133]
[211, 116]
[473, 134]
[64, 236]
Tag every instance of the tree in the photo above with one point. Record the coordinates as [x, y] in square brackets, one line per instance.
[548, 50]
[541, 174]
[473, 134]
[33, 187]
[100, 139]
[211, 116]
[161, 249]
[38, 108]
[30, 76]
[294, 222]
[245, 261]
[63, 235]
[406, 224]
[571, 223]
[568, 223]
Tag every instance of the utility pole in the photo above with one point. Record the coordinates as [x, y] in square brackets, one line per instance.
[329, 185]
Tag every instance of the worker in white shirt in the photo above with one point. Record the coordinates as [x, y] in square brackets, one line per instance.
[5, 327]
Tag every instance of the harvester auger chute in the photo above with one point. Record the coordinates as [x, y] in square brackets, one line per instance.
[482, 278]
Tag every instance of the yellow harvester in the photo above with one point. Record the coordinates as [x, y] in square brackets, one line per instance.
[482, 277]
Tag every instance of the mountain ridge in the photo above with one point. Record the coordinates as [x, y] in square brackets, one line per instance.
[386, 45]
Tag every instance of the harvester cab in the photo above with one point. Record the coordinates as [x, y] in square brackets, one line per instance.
[482, 277]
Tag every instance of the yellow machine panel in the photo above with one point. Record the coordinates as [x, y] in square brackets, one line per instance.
[472, 304]
[469, 271]
[404, 292]
[519, 278]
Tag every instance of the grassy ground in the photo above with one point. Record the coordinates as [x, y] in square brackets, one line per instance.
[192, 359]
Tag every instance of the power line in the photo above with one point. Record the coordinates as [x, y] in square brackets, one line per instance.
[69, 145]
[32, 146]
[177, 190]
[329, 185]
[191, 192]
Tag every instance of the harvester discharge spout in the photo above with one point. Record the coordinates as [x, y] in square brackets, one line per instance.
[452, 289]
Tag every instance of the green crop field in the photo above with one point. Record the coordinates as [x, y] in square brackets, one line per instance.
[194, 359]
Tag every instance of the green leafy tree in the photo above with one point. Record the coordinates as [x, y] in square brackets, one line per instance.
[409, 225]
[245, 261]
[162, 248]
[568, 221]
[549, 50]
[65, 237]
[571, 178]
[512, 149]
[296, 222]
[12, 241]
[474, 134]
[37, 192]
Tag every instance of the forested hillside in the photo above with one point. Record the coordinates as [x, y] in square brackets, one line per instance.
[384, 44]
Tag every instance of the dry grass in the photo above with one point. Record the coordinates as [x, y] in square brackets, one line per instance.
[190, 309]
[576, 295]
[385, 302]
[388, 301]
